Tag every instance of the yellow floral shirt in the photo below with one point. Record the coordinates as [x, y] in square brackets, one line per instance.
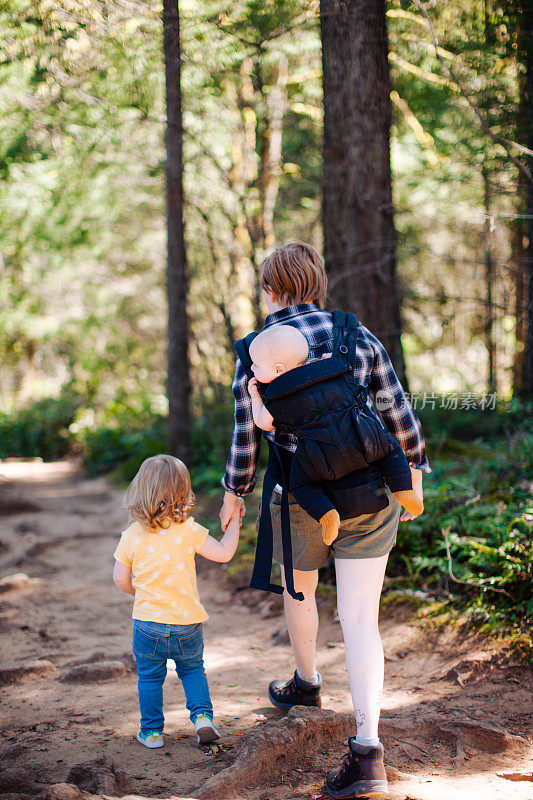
[164, 571]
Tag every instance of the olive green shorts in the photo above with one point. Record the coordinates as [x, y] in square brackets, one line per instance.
[365, 536]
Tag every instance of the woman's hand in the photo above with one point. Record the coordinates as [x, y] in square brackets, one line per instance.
[231, 505]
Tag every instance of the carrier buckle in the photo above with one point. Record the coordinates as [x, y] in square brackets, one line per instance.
[360, 397]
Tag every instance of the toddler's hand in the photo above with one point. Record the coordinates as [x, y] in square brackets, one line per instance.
[239, 512]
[253, 391]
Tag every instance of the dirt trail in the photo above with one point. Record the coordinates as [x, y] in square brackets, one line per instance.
[454, 717]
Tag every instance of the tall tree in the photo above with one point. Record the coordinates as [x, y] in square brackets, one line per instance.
[359, 235]
[489, 286]
[526, 129]
[178, 383]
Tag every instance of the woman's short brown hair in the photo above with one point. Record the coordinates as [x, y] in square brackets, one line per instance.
[296, 274]
[160, 493]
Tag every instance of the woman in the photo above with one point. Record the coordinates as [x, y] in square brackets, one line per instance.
[294, 283]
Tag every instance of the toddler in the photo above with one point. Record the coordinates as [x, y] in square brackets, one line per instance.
[278, 350]
[155, 563]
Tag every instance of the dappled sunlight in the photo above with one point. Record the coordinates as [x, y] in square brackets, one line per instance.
[173, 177]
[36, 470]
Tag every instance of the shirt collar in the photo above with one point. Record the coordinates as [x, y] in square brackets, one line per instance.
[288, 312]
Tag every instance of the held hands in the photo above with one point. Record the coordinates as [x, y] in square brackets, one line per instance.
[231, 516]
[231, 506]
[239, 511]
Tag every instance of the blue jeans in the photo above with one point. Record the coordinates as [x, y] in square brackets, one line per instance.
[153, 643]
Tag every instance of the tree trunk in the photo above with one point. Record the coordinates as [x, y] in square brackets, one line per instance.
[528, 126]
[178, 385]
[519, 254]
[527, 383]
[490, 343]
[359, 235]
[524, 361]
[263, 131]
[275, 101]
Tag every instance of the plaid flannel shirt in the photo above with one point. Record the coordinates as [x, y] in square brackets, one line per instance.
[372, 369]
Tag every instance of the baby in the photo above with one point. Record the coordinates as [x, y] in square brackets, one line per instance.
[276, 351]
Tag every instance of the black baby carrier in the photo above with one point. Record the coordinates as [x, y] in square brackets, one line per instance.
[344, 472]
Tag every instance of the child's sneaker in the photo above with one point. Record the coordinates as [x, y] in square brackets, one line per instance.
[151, 739]
[205, 729]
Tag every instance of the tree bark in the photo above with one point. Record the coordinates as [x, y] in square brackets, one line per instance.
[523, 376]
[528, 126]
[178, 384]
[262, 150]
[275, 101]
[490, 278]
[359, 234]
[519, 255]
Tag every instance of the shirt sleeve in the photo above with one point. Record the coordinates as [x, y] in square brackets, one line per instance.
[199, 535]
[395, 410]
[124, 551]
[240, 477]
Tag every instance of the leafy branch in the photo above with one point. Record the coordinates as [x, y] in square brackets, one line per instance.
[502, 141]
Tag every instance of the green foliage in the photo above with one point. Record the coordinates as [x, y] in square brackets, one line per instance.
[42, 430]
[473, 543]
[82, 285]
[471, 547]
[82, 190]
[444, 425]
[82, 211]
[122, 446]
[119, 438]
[79, 171]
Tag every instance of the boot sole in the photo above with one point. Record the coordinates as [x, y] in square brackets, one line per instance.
[206, 735]
[361, 789]
[287, 706]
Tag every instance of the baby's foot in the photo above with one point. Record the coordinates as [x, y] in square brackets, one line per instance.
[330, 525]
[410, 501]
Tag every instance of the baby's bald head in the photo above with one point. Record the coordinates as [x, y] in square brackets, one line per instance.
[276, 350]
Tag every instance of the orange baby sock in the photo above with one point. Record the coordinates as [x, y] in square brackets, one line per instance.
[330, 525]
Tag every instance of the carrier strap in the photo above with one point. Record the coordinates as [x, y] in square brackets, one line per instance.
[275, 473]
[242, 348]
[344, 347]
[345, 336]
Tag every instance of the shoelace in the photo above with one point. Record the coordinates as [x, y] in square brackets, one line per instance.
[346, 762]
[291, 686]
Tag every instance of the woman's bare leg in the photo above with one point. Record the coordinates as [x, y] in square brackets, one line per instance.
[301, 617]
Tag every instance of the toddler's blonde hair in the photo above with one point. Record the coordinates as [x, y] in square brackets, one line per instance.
[160, 493]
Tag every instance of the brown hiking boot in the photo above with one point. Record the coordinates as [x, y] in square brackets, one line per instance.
[295, 692]
[362, 773]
